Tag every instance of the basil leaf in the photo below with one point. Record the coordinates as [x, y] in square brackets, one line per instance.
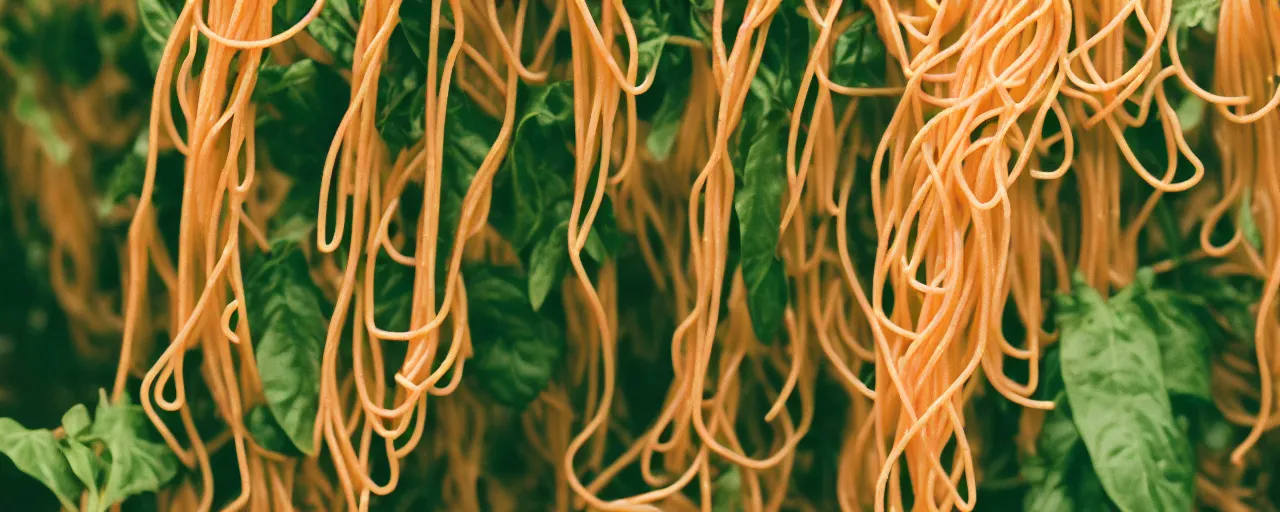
[36, 453]
[76, 420]
[758, 204]
[289, 328]
[516, 350]
[469, 134]
[157, 18]
[1190, 112]
[858, 56]
[1115, 386]
[1059, 473]
[1176, 319]
[393, 294]
[665, 124]
[87, 467]
[547, 264]
[648, 20]
[1189, 14]
[538, 172]
[304, 104]
[137, 465]
[335, 30]
[267, 432]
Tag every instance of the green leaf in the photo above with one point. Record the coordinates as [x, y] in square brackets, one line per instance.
[1059, 474]
[267, 432]
[1248, 226]
[1177, 319]
[137, 465]
[758, 204]
[288, 328]
[1191, 112]
[1111, 367]
[87, 467]
[393, 294]
[516, 349]
[665, 124]
[648, 19]
[274, 79]
[1202, 14]
[547, 264]
[76, 420]
[157, 18]
[726, 491]
[858, 57]
[335, 30]
[36, 453]
[537, 174]
[303, 104]
[402, 104]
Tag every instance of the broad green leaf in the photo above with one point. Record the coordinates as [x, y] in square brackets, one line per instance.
[76, 420]
[1177, 320]
[267, 432]
[1111, 367]
[537, 174]
[137, 465]
[1059, 473]
[516, 349]
[288, 328]
[123, 182]
[777, 80]
[604, 240]
[402, 103]
[758, 205]
[289, 12]
[547, 264]
[36, 453]
[87, 467]
[469, 134]
[301, 106]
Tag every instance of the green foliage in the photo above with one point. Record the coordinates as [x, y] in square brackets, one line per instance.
[1120, 361]
[758, 205]
[110, 457]
[517, 350]
[533, 192]
[288, 325]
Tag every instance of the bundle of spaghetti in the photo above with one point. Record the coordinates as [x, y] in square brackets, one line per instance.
[1106, 75]
[698, 426]
[944, 225]
[219, 141]
[1244, 68]
[481, 35]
